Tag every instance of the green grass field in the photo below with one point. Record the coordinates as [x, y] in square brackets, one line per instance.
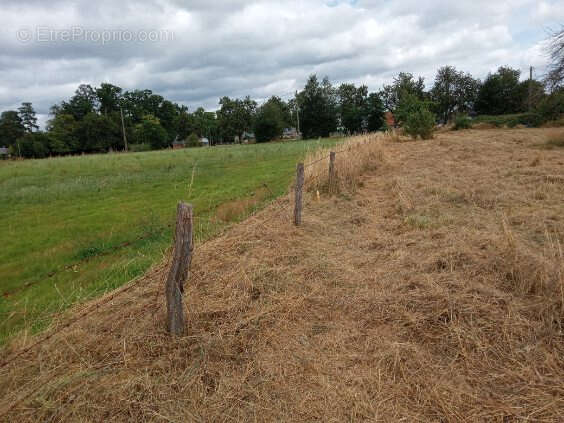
[75, 227]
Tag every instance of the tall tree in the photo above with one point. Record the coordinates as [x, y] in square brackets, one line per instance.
[28, 117]
[270, 120]
[453, 91]
[352, 107]
[150, 131]
[11, 128]
[403, 84]
[235, 116]
[62, 132]
[318, 108]
[500, 94]
[97, 133]
[83, 102]
[555, 76]
[374, 113]
[108, 98]
[206, 124]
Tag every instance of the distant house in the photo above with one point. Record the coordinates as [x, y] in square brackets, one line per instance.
[204, 142]
[178, 144]
[248, 136]
[290, 133]
[390, 120]
[4, 153]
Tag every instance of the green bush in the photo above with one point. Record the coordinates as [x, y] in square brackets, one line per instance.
[462, 121]
[552, 106]
[528, 119]
[139, 147]
[150, 131]
[269, 122]
[420, 122]
[33, 145]
[193, 140]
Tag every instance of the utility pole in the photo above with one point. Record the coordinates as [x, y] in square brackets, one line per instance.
[530, 88]
[298, 113]
[123, 128]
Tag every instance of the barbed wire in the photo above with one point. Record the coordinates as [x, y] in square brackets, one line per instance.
[109, 250]
[72, 321]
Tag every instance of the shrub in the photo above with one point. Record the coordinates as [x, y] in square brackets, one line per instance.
[462, 121]
[193, 140]
[552, 106]
[33, 145]
[150, 131]
[420, 123]
[139, 147]
[269, 123]
[415, 117]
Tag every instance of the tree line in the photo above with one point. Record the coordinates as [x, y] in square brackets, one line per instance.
[106, 118]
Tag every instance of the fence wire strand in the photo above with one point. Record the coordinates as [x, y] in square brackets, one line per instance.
[135, 282]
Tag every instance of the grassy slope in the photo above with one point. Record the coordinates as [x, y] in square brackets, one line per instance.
[81, 210]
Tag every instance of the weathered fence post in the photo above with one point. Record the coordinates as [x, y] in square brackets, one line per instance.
[299, 193]
[332, 180]
[182, 257]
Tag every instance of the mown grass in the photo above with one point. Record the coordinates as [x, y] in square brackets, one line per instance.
[75, 227]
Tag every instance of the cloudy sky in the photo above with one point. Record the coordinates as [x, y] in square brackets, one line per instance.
[195, 51]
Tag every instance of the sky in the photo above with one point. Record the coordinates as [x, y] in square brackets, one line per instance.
[194, 52]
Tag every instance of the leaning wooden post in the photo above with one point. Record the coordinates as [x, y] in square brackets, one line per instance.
[182, 257]
[332, 181]
[299, 193]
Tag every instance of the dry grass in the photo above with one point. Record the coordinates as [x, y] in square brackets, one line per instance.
[354, 157]
[434, 294]
[555, 139]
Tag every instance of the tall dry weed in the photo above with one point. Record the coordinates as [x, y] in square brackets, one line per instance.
[354, 157]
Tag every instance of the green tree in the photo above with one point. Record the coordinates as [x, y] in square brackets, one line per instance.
[500, 94]
[352, 107]
[11, 128]
[535, 89]
[97, 133]
[403, 84]
[193, 140]
[136, 104]
[150, 131]
[206, 124]
[235, 116]
[34, 145]
[415, 117]
[453, 92]
[108, 96]
[62, 132]
[83, 102]
[28, 117]
[184, 124]
[167, 113]
[374, 113]
[318, 108]
[269, 122]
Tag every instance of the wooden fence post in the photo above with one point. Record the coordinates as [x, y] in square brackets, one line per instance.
[299, 193]
[182, 257]
[332, 180]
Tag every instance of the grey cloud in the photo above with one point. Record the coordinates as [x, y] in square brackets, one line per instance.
[258, 48]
